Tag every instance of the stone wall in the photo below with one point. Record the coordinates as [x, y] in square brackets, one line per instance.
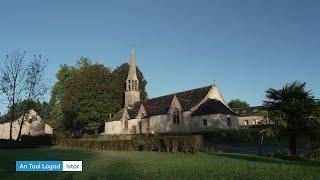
[164, 124]
[250, 120]
[33, 125]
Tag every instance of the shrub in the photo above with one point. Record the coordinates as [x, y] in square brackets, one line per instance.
[39, 140]
[118, 145]
[192, 144]
[313, 146]
[11, 144]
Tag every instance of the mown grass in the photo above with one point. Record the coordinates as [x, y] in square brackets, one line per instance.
[154, 165]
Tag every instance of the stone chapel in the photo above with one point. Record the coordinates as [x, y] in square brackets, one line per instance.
[200, 109]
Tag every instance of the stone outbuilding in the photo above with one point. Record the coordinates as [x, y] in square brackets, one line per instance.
[33, 125]
[250, 115]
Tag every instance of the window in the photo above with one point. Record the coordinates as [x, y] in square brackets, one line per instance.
[246, 122]
[126, 124]
[176, 116]
[229, 122]
[205, 123]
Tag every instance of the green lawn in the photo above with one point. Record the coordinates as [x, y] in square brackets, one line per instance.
[153, 165]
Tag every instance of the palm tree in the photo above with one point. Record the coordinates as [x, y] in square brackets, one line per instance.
[275, 123]
[296, 105]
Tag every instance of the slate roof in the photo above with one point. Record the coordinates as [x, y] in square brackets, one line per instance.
[213, 106]
[160, 105]
[117, 116]
[249, 111]
[7, 117]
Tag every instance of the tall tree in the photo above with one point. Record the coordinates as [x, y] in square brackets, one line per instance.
[237, 103]
[12, 80]
[85, 94]
[118, 78]
[88, 99]
[21, 79]
[296, 104]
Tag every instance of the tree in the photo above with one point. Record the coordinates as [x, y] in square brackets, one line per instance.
[275, 121]
[84, 95]
[40, 108]
[118, 78]
[295, 104]
[88, 98]
[22, 79]
[12, 80]
[237, 103]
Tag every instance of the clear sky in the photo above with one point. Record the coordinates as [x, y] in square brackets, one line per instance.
[246, 46]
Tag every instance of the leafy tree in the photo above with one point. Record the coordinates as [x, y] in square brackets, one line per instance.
[88, 99]
[295, 104]
[118, 78]
[237, 103]
[40, 108]
[85, 94]
[275, 121]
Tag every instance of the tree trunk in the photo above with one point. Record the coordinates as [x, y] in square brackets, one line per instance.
[277, 145]
[12, 116]
[292, 143]
[21, 125]
[260, 146]
[10, 130]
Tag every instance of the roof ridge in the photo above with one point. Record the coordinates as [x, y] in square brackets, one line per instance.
[176, 93]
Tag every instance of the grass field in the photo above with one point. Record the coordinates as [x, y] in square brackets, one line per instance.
[154, 165]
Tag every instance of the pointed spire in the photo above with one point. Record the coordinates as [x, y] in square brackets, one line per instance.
[132, 75]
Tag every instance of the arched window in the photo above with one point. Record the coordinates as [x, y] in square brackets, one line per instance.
[126, 124]
[176, 116]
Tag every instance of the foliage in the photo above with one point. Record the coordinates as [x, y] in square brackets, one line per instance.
[26, 142]
[21, 79]
[290, 109]
[237, 103]
[192, 144]
[40, 108]
[45, 139]
[84, 95]
[10, 144]
[116, 145]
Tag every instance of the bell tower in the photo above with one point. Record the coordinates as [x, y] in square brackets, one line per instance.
[132, 93]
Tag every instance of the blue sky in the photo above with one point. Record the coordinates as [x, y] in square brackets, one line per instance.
[246, 46]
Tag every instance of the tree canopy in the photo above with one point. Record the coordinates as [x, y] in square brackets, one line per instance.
[292, 108]
[237, 103]
[85, 94]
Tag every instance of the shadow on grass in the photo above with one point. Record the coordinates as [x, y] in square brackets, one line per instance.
[9, 157]
[254, 158]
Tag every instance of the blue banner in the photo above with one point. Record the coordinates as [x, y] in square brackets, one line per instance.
[39, 165]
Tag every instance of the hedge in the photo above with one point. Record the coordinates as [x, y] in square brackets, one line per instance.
[38, 140]
[191, 144]
[11, 144]
[26, 142]
[119, 145]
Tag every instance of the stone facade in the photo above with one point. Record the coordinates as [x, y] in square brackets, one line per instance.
[33, 125]
[200, 109]
[250, 115]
